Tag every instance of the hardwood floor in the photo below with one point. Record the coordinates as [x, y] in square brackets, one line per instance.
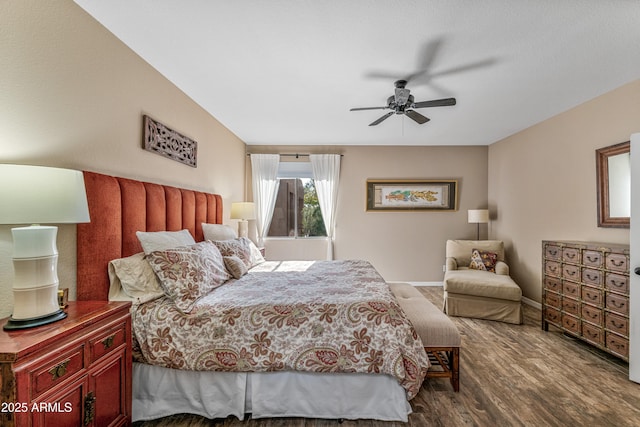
[510, 375]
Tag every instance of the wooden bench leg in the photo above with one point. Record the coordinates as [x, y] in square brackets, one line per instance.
[448, 360]
[454, 360]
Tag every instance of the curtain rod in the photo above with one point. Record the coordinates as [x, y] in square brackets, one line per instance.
[296, 155]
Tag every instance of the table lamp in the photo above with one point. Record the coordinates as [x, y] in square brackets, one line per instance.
[243, 211]
[38, 195]
[478, 216]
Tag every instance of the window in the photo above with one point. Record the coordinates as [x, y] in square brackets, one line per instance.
[296, 212]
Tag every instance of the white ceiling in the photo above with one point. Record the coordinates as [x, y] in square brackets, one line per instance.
[288, 71]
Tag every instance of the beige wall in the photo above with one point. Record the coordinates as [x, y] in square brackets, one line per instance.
[542, 181]
[401, 245]
[72, 95]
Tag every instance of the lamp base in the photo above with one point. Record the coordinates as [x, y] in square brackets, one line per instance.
[14, 324]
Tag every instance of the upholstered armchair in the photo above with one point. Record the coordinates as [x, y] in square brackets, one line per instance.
[477, 282]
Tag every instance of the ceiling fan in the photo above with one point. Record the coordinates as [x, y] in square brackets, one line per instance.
[402, 102]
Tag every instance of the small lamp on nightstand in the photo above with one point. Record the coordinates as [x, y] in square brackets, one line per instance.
[478, 216]
[243, 211]
[38, 195]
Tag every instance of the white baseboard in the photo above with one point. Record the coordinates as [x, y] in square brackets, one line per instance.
[419, 283]
[532, 303]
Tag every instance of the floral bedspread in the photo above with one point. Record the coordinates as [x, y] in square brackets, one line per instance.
[318, 316]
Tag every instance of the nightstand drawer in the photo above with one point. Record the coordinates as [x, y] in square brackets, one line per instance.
[106, 342]
[55, 371]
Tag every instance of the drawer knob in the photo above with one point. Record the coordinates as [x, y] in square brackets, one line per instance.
[637, 271]
[108, 341]
[59, 370]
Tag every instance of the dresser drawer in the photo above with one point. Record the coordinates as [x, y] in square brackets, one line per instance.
[617, 303]
[592, 277]
[552, 315]
[552, 268]
[107, 341]
[616, 323]
[553, 252]
[617, 283]
[570, 254]
[571, 306]
[552, 284]
[616, 262]
[571, 323]
[592, 258]
[617, 344]
[593, 315]
[571, 290]
[593, 333]
[592, 295]
[56, 370]
[553, 300]
[571, 272]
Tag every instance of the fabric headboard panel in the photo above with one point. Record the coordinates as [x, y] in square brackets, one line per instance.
[119, 207]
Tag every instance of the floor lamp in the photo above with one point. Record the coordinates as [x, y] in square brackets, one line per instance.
[478, 216]
[38, 195]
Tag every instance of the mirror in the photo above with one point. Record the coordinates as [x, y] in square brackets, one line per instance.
[614, 185]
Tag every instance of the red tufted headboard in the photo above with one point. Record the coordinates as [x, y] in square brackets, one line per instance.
[119, 207]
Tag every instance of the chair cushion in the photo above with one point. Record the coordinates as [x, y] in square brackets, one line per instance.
[482, 283]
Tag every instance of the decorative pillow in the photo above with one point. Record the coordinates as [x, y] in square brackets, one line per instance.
[161, 240]
[235, 266]
[256, 255]
[483, 260]
[215, 232]
[240, 247]
[188, 273]
[133, 279]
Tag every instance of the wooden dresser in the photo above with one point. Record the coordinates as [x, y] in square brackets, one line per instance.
[75, 372]
[585, 292]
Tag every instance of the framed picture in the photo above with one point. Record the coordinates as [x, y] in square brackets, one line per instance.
[165, 141]
[412, 195]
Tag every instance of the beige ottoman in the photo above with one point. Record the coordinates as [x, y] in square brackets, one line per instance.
[438, 333]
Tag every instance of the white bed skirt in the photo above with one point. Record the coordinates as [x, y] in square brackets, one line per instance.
[160, 392]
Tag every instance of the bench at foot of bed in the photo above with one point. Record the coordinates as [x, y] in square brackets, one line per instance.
[439, 334]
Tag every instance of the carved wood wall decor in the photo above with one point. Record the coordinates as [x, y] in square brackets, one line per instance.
[162, 140]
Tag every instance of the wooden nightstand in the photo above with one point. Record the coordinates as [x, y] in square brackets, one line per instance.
[75, 372]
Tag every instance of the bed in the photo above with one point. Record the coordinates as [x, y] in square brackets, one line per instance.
[372, 376]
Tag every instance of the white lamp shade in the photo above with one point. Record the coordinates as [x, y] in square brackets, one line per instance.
[41, 195]
[479, 216]
[243, 210]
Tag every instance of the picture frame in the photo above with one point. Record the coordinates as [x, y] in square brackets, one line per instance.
[412, 195]
[166, 142]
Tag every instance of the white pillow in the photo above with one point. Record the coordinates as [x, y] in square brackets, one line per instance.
[133, 279]
[162, 240]
[218, 232]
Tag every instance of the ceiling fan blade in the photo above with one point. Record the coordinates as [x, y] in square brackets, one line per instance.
[381, 119]
[435, 103]
[367, 108]
[417, 117]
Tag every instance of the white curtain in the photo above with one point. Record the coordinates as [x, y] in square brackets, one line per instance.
[326, 175]
[264, 171]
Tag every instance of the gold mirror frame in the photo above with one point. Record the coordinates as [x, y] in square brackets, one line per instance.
[602, 169]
